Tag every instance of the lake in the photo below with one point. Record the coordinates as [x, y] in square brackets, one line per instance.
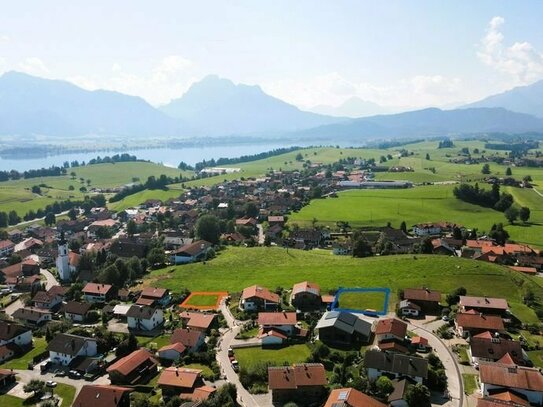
[167, 156]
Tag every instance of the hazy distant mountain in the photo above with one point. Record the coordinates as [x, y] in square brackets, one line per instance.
[31, 105]
[430, 122]
[217, 106]
[523, 99]
[354, 107]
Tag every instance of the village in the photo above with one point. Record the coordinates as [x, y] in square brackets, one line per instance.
[78, 311]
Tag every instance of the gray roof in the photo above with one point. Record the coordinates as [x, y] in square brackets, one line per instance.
[344, 321]
[409, 304]
[68, 344]
[140, 311]
[397, 363]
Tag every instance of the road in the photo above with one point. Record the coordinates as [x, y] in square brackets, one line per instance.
[50, 281]
[27, 222]
[244, 397]
[537, 192]
[454, 376]
[261, 236]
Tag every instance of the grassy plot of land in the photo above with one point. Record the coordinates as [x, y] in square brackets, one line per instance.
[11, 401]
[206, 300]
[287, 355]
[421, 204]
[40, 345]
[206, 370]
[536, 356]
[362, 300]
[237, 267]
[470, 383]
[140, 197]
[66, 392]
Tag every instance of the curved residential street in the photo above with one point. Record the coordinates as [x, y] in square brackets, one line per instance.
[455, 382]
[244, 397]
[50, 281]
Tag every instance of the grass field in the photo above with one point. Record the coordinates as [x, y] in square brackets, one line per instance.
[199, 300]
[470, 382]
[286, 355]
[10, 401]
[17, 195]
[141, 197]
[206, 370]
[236, 268]
[22, 362]
[362, 300]
[66, 392]
[421, 204]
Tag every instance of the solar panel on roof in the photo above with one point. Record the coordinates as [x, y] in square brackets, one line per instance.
[343, 395]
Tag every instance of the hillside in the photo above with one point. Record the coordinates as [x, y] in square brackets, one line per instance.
[34, 106]
[523, 99]
[217, 106]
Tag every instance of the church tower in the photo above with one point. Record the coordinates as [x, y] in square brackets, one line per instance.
[63, 261]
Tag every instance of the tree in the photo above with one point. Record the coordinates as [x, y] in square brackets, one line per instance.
[72, 214]
[13, 218]
[251, 210]
[418, 396]
[499, 234]
[156, 256]
[36, 190]
[426, 245]
[427, 156]
[207, 228]
[299, 157]
[36, 386]
[524, 214]
[403, 227]
[131, 227]
[508, 172]
[511, 214]
[454, 297]
[384, 386]
[50, 219]
[485, 169]
[361, 248]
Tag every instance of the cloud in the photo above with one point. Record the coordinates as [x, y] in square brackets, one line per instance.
[333, 89]
[520, 61]
[4, 38]
[34, 66]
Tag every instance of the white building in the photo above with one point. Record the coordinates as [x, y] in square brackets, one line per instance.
[14, 333]
[144, 318]
[65, 271]
[64, 348]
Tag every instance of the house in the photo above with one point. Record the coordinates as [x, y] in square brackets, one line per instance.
[133, 368]
[190, 252]
[24, 284]
[343, 328]
[434, 229]
[472, 323]
[395, 365]
[98, 293]
[390, 328]
[524, 381]
[47, 299]
[256, 298]
[144, 318]
[173, 351]
[489, 348]
[303, 383]
[64, 348]
[503, 399]
[306, 296]
[154, 296]
[76, 311]
[26, 268]
[285, 322]
[7, 376]
[12, 333]
[420, 344]
[202, 393]
[428, 300]
[307, 238]
[398, 396]
[198, 320]
[178, 381]
[276, 220]
[93, 228]
[349, 397]
[409, 309]
[32, 316]
[15, 235]
[192, 339]
[94, 395]
[486, 305]
[6, 248]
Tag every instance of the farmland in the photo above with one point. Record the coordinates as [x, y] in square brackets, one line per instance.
[236, 268]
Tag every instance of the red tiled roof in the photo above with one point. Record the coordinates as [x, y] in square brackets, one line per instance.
[177, 346]
[202, 393]
[186, 336]
[391, 326]
[527, 270]
[179, 377]
[350, 397]
[94, 288]
[511, 377]
[421, 294]
[478, 321]
[152, 292]
[277, 318]
[292, 377]
[131, 362]
[197, 319]
[306, 286]
[483, 302]
[260, 292]
[100, 396]
[419, 340]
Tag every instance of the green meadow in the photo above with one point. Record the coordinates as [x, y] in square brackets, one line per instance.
[236, 268]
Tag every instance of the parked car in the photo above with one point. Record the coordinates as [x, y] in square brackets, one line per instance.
[50, 383]
[74, 374]
[235, 365]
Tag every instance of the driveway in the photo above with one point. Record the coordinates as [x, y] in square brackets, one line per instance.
[50, 279]
[455, 382]
[244, 397]
[261, 236]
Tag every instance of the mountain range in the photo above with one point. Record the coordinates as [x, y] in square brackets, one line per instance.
[355, 107]
[217, 107]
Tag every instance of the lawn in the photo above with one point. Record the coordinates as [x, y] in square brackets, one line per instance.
[206, 370]
[11, 401]
[66, 392]
[237, 267]
[362, 300]
[159, 341]
[287, 355]
[140, 197]
[420, 204]
[536, 356]
[202, 300]
[22, 362]
[470, 383]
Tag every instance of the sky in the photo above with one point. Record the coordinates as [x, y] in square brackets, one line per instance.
[394, 53]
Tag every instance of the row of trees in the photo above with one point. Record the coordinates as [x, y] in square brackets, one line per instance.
[482, 197]
[42, 172]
